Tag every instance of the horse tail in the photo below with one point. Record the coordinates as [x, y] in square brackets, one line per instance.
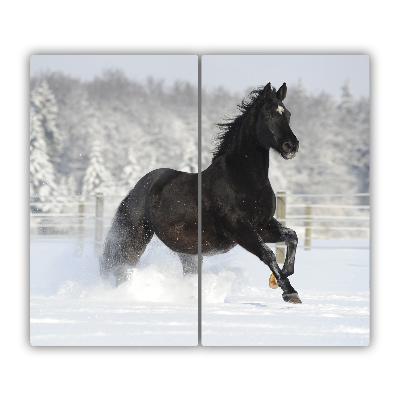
[130, 230]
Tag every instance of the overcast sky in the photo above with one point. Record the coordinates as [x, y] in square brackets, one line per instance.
[138, 67]
[317, 72]
[237, 73]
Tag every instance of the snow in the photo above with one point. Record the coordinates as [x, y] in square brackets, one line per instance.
[71, 306]
[333, 285]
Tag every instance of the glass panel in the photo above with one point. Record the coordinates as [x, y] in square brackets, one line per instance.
[101, 126]
[317, 121]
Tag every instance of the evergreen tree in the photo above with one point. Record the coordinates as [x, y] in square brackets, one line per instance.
[67, 186]
[46, 107]
[160, 124]
[300, 90]
[42, 174]
[97, 178]
[75, 118]
[131, 173]
[190, 158]
[346, 99]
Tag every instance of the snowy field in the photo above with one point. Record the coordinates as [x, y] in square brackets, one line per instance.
[333, 285]
[70, 305]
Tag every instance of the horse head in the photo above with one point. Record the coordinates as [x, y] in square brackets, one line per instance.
[272, 126]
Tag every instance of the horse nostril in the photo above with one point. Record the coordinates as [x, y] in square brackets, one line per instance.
[287, 147]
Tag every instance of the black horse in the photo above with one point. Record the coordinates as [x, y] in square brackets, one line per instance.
[238, 202]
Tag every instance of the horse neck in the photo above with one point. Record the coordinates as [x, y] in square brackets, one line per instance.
[246, 154]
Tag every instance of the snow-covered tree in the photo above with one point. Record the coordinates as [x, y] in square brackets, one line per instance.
[46, 107]
[42, 173]
[346, 99]
[159, 123]
[97, 178]
[68, 186]
[300, 90]
[189, 161]
[131, 173]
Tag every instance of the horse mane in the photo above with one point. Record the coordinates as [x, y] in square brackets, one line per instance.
[232, 126]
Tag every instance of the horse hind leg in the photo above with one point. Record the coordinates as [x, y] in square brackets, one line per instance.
[189, 263]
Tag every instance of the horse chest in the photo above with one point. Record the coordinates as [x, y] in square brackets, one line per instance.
[253, 196]
[257, 207]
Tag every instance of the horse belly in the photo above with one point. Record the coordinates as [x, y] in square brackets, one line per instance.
[181, 237]
[176, 226]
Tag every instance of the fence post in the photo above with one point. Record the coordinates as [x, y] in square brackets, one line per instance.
[99, 222]
[307, 242]
[81, 227]
[281, 214]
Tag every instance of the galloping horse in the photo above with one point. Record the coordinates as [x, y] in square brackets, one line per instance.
[238, 202]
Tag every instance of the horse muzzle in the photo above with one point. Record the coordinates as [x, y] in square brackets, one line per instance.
[289, 150]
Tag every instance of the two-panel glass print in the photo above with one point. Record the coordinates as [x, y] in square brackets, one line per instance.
[183, 203]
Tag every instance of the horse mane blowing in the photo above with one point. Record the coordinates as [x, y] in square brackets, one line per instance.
[229, 129]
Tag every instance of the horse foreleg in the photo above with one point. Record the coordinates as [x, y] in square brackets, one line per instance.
[244, 234]
[275, 232]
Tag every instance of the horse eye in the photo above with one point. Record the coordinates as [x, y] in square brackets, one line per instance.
[267, 117]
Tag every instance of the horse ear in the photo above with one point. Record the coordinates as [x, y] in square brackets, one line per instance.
[281, 93]
[267, 90]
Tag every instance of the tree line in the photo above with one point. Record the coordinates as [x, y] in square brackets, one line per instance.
[105, 134]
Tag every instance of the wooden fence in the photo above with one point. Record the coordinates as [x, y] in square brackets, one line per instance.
[324, 216]
[312, 216]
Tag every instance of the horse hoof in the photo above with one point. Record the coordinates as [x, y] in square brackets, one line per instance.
[291, 298]
[273, 284]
